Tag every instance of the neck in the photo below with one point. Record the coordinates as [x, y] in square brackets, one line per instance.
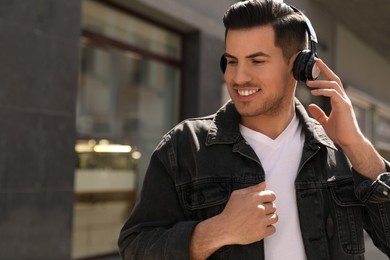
[271, 125]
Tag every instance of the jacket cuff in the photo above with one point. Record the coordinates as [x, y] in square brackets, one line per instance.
[178, 243]
[369, 191]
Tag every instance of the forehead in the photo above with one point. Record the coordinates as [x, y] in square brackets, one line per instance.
[241, 41]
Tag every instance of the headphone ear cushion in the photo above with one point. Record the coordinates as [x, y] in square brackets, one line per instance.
[299, 68]
[311, 71]
[223, 63]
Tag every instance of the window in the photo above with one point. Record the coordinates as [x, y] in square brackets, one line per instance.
[128, 98]
[363, 106]
[373, 118]
[382, 131]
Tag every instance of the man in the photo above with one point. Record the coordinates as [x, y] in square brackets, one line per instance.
[260, 179]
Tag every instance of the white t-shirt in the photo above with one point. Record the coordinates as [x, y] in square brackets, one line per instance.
[280, 159]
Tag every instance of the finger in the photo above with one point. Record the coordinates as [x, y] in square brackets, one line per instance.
[270, 230]
[317, 113]
[267, 196]
[326, 88]
[269, 208]
[327, 72]
[271, 219]
[335, 96]
[325, 84]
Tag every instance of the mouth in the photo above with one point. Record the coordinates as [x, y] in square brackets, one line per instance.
[247, 92]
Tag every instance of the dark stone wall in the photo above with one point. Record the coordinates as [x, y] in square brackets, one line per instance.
[39, 66]
[202, 77]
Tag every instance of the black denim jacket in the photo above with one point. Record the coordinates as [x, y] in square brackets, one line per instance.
[201, 161]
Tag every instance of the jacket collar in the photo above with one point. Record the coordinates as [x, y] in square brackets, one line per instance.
[225, 127]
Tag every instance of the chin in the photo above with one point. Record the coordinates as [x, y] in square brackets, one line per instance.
[249, 112]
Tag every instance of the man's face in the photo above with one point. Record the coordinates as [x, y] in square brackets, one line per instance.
[258, 77]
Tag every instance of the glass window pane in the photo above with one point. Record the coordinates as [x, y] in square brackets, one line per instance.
[125, 103]
[382, 131]
[119, 89]
[361, 117]
[120, 26]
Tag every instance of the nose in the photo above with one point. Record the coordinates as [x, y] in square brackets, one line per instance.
[241, 74]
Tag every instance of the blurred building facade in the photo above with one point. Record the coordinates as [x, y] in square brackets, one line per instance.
[90, 87]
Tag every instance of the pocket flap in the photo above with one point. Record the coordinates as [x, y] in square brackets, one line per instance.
[343, 192]
[205, 193]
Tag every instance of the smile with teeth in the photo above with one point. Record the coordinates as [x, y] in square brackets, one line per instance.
[247, 92]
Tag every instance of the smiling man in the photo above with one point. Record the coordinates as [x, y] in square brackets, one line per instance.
[260, 179]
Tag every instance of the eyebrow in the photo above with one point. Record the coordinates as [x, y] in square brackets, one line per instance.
[250, 56]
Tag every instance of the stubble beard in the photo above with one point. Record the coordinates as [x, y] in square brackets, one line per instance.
[268, 107]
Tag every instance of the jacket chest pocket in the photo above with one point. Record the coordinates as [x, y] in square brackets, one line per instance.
[205, 198]
[348, 214]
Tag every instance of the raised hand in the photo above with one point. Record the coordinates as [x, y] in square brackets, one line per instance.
[341, 125]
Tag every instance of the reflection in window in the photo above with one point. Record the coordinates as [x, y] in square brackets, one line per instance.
[382, 132]
[120, 26]
[126, 102]
[122, 93]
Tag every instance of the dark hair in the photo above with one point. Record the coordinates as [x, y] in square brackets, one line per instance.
[289, 26]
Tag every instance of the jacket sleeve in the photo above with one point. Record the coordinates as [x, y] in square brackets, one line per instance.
[376, 197]
[156, 229]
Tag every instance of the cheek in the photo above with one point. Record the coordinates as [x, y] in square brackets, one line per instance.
[227, 76]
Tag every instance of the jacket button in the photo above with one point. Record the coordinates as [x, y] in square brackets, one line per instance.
[385, 193]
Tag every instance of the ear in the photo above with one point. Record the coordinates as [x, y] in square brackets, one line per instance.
[291, 62]
[292, 59]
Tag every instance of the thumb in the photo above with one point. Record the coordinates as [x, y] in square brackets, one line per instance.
[261, 185]
[317, 113]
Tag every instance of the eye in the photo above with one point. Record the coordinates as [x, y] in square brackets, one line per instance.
[258, 61]
[232, 62]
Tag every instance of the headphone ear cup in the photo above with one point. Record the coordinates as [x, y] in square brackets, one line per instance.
[299, 68]
[311, 71]
[223, 63]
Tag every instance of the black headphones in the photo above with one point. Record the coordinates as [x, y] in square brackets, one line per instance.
[304, 65]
